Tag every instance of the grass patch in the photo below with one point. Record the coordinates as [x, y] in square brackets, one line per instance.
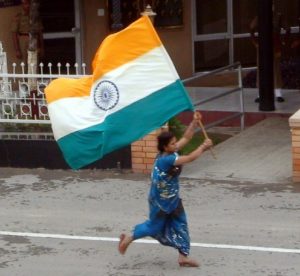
[178, 129]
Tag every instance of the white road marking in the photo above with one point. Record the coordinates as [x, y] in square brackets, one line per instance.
[206, 245]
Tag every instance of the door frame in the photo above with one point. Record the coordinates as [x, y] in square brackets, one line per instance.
[76, 33]
[229, 35]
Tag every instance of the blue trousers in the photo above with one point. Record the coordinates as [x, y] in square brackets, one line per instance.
[169, 229]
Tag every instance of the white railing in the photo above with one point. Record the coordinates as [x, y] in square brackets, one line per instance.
[22, 98]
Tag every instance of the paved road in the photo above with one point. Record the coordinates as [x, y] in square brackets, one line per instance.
[67, 223]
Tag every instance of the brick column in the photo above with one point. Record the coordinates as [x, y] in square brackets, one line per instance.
[144, 151]
[294, 122]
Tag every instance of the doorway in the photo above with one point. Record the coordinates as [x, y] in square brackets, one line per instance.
[61, 33]
[221, 31]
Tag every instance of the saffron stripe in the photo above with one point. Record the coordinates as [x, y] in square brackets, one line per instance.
[132, 76]
[125, 46]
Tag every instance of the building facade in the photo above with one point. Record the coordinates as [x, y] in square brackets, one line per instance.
[200, 35]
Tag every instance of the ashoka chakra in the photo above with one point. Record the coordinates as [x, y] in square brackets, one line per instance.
[106, 95]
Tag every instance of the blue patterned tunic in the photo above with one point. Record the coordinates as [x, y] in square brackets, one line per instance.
[165, 187]
[167, 220]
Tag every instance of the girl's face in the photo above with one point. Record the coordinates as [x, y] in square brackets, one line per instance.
[172, 146]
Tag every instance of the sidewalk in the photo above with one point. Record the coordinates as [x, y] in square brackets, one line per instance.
[261, 153]
[232, 102]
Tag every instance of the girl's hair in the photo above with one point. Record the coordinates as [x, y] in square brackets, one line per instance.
[163, 140]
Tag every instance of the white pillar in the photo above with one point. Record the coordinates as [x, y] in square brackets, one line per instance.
[4, 85]
[3, 60]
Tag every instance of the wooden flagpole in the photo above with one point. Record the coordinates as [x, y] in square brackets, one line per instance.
[206, 137]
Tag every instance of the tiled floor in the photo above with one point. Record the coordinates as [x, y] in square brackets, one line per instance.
[232, 102]
[260, 154]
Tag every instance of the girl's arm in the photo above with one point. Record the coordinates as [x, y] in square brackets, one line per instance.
[189, 132]
[194, 154]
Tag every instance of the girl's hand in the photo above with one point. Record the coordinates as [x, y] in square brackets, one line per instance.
[197, 116]
[207, 144]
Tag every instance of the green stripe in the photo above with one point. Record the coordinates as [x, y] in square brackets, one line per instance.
[124, 126]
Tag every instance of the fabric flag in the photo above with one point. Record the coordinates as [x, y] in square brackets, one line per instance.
[134, 89]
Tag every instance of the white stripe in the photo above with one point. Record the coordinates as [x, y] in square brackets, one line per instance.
[72, 114]
[150, 72]
[135, 80]
[145, 241]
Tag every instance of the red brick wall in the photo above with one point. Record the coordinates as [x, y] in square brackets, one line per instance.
[144, 151]
[295, 131]
[296, 154]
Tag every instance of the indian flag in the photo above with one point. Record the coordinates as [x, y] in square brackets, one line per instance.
[134, 89]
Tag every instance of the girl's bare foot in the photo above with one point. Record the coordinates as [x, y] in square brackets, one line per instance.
[124, 243]
[187, 262]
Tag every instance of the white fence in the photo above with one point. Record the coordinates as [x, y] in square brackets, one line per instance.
[23, 107]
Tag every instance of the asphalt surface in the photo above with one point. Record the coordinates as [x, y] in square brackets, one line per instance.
[56, 222]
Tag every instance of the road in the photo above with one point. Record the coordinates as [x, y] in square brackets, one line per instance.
[56, 222]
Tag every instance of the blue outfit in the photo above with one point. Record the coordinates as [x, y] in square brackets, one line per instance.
[167, 221]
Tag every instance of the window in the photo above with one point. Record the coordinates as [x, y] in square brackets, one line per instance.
[222, 31]
[211, 54]
[244, 11]
[211, 16]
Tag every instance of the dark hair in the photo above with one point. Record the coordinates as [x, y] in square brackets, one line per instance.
[164, 139]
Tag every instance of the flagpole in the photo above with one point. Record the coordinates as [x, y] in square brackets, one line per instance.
[206, 137]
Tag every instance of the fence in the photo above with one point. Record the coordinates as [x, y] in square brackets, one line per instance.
[237, 89]
[23, 107]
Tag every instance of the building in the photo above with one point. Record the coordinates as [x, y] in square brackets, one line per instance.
[199, 35]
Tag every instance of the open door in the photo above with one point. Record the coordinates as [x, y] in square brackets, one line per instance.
[62, 33]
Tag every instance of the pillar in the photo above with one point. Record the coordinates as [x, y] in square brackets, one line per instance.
[294, 122]
[265, 55]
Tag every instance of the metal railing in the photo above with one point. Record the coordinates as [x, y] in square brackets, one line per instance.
[23, 106]
[238, 89]
[22, 98]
